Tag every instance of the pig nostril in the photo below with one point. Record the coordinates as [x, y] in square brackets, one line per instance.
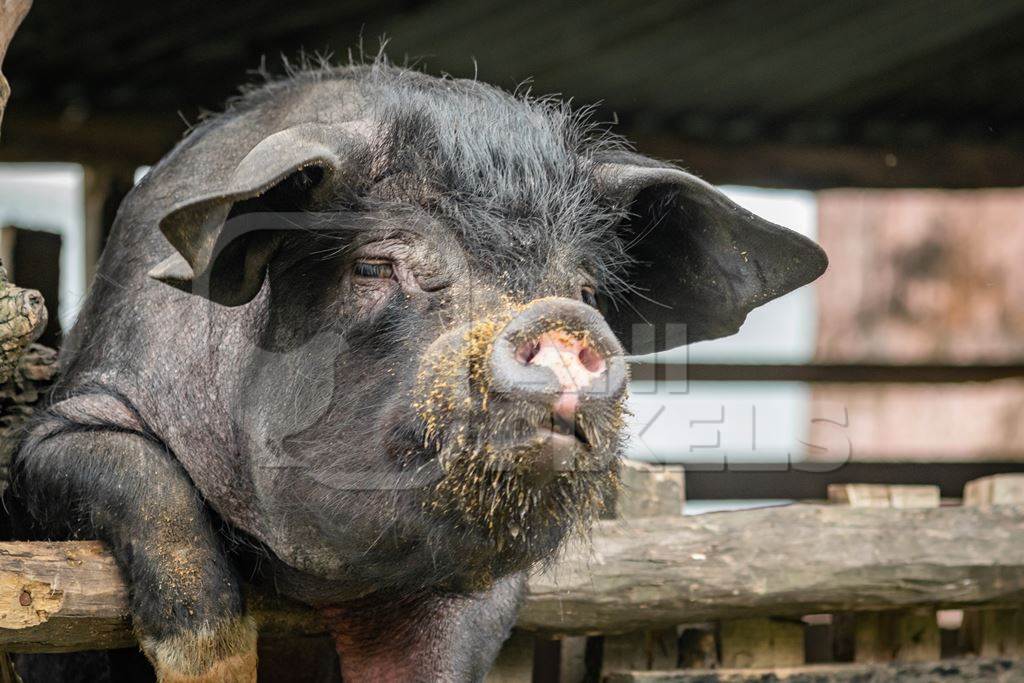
[591, 359]
[527, 351]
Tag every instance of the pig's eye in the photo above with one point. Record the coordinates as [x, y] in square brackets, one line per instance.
[588, 295]
[370, 268]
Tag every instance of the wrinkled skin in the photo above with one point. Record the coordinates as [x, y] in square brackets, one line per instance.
[290, 353]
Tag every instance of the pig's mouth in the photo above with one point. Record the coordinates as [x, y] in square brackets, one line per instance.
[563, 429]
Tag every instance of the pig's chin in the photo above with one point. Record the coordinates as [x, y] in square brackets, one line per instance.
[519, 482]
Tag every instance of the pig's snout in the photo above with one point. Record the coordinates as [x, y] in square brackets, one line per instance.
[558, 352]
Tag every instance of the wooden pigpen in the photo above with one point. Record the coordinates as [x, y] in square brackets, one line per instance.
[880, 583]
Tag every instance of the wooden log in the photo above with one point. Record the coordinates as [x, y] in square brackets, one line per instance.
[948, 671]
[641, 574]
[787, 561]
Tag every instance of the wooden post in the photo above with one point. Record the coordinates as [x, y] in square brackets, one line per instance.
[906, 635]
[762, 643]
[572, 663]
[103, 187]
[884, 496]
[994, 632]
[515, 661]
[647, 491]
[698, 648]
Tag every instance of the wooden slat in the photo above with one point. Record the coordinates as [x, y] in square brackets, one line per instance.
[905, 635]
[761, 643]
[994, 632]
[920, 276]
[920, 422]
[884, 495]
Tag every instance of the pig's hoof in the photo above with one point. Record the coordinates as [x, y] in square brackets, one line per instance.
[226, 654]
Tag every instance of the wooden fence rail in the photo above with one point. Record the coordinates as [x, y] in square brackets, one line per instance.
[636, 574]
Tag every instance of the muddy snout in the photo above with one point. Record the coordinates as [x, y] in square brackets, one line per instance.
[559, 353]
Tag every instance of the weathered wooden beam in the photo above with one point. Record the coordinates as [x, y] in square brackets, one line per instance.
[637, 574]
[791, 561]
[948, 671]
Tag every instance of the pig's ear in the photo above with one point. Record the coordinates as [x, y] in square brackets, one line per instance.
[226, 232]
[701, 263]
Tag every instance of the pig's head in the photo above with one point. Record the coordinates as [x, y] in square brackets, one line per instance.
[453, 275]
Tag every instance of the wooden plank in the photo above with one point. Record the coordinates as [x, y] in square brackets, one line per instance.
[925, 277]
[884, 495]
[904, 636]
[761, 643]
[999, 489]
[994, 632]
[648, 573]
[948, 671]
[646, 650]
[918, 422]
[572, 662]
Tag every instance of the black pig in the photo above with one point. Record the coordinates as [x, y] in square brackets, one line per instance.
[390, 361]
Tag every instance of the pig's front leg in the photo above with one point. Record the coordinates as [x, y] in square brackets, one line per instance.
[125, 488]
[427, 639]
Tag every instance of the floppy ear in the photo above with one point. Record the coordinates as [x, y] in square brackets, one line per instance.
[225, 259]
[701, 262]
